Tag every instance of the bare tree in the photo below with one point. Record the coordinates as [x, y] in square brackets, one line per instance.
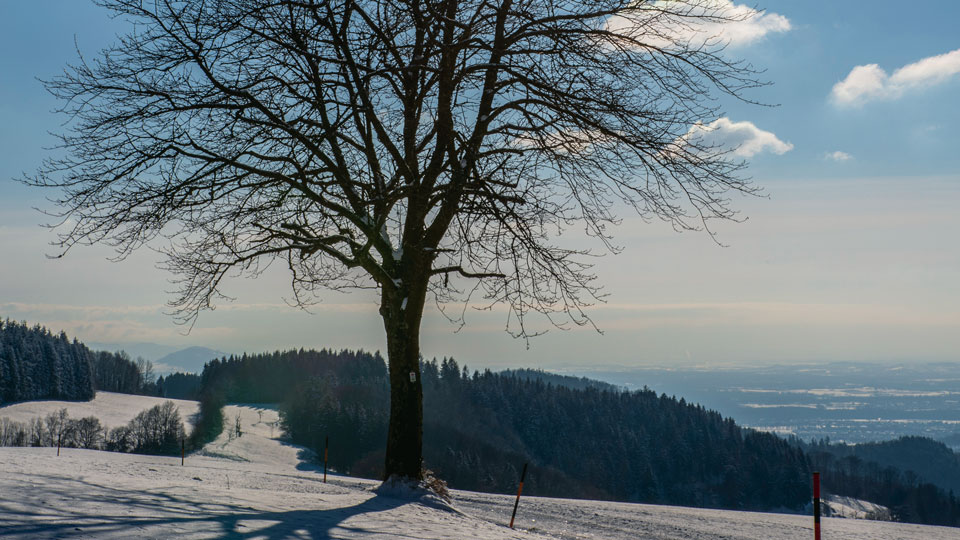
[145, 369]
[88, 432]
[57, 426]
[36, 432]
[431, 150]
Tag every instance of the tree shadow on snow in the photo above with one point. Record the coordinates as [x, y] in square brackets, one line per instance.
[55, 507]
[310, 462]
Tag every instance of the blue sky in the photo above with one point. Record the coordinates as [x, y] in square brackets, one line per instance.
[852, 256]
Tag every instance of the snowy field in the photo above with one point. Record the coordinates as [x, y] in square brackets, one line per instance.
[258, 487]
[113, 410]
[571, 519]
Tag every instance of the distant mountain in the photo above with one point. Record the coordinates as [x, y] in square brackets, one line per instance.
[165, 358]
[147, 351]
[189, 360]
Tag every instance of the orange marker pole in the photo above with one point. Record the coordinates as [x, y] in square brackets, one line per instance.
[816, 506]
[519, 491]
[326, 452]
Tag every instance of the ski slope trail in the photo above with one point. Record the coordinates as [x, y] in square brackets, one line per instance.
[257, 486]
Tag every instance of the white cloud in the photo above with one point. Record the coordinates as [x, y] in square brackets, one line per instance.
[837, 156]
[751, 26]
[742, 139]
[869, 82]
[696, 22]
[862, 84]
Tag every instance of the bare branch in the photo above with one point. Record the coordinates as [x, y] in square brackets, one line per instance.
[392, 144]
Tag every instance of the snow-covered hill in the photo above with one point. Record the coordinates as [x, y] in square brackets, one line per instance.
[256, 486]
[112, 409]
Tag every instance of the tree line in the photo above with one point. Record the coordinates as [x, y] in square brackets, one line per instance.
[38, 364]
[158, 430]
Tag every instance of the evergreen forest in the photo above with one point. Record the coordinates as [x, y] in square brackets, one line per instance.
[38, 364]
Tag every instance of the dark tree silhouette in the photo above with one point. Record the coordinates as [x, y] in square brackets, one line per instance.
[432, 150]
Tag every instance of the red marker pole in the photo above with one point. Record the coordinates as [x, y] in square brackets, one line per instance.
[816, 506]
[519, 491]
[326, 452]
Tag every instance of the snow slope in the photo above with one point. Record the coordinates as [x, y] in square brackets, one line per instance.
[112, 409]
[848, 507]
[256, 486]
[571, 519]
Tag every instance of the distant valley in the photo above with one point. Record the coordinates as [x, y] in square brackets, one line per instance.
[850, 402]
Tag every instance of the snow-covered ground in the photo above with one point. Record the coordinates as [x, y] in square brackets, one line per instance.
[848, 507]
[570, 519]
[112, 409]
[256, 486]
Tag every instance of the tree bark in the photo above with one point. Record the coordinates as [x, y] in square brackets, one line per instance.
[401, 320]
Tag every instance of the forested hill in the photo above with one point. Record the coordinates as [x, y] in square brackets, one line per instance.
[481, 428]
[577, 383]
[588, 442]
[923, 459]
[37, 364]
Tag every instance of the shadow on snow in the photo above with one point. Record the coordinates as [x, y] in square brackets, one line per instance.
[69, 508]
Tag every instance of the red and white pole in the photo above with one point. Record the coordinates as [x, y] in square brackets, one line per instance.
[326, 453]
[519, 491]
[816, 506]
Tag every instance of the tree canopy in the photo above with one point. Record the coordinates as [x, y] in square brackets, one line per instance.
[431, 150]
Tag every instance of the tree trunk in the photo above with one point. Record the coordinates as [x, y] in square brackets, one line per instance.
[405, 434]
